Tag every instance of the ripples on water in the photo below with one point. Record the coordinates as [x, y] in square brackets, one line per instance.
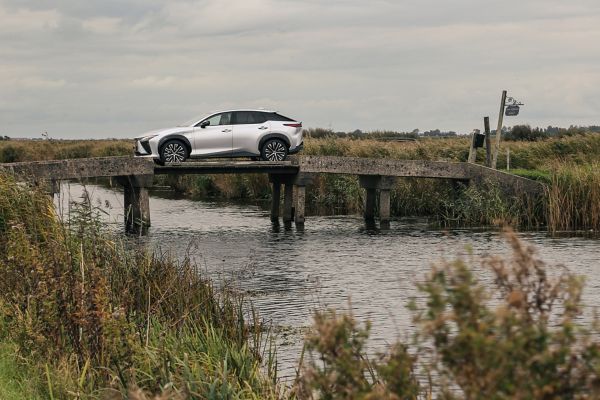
[335, 262]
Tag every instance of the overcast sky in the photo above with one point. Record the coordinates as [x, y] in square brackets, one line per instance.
[117, 68]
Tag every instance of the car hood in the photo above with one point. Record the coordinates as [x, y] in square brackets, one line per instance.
[165, 131]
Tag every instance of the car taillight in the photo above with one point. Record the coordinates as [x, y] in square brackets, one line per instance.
[294, 125]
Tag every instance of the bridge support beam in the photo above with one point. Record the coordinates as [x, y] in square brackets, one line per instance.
[275, 199]
[288, 197]
[372, 184]
[136, 202]
[300, 182]
[384, 209]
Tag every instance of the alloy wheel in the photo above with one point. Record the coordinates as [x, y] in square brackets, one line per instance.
[275, 151]
[174, 152]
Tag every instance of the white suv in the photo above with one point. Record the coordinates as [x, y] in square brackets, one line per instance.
[234, 133]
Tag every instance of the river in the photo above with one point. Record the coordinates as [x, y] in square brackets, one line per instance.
[334, 262]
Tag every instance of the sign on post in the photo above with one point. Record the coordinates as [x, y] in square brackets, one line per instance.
[512, 110]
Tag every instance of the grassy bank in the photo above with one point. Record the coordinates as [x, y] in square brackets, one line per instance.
[52, 149]
[82, 316]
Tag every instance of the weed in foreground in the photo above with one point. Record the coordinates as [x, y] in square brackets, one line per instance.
[90, 318]
[517, 338]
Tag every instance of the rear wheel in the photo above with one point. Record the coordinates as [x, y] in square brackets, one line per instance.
[274, 150]
[173, 151]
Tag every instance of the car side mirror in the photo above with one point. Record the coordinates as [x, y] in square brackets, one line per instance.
[204, 124]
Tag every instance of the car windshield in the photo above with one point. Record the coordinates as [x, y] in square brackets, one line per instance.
[192, 121]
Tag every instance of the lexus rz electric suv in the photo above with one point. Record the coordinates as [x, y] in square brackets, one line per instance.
[236, 133]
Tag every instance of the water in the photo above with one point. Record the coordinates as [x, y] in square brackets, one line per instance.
[335, 262]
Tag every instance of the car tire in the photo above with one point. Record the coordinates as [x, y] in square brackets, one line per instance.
[173, 151]
[274, 150]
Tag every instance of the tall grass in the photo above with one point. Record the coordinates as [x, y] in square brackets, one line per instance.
[50, 149]
[574, 198]
[96, 318]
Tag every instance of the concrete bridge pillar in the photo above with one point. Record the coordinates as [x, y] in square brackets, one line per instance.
[275, 199]
[136, 202]
[373, 183]
[300, 182]
[288, 197]
[384, 208]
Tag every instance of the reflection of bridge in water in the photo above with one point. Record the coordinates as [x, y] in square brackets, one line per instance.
[376, 176]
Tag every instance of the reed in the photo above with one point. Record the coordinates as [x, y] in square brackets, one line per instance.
[87, 314]
[574, 198]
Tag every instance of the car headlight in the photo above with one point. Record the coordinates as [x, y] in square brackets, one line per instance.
[147, 138]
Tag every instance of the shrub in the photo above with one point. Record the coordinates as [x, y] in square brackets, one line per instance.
[12, 154]
[516, 337]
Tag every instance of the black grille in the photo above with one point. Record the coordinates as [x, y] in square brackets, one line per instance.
[146, 146]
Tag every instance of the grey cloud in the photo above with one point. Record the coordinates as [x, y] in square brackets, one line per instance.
[116, 68]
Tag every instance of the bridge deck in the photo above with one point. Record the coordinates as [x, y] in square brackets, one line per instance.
[228, 167]
[128, 166]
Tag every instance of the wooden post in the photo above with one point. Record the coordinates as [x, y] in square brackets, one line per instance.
[288, 196]
[508, 158]
[488, 144]
[472, 149]
[275, 201]
[499, 129]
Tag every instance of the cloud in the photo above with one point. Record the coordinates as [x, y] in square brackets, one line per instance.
[118, 67]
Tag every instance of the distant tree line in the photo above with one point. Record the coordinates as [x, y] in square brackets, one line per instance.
[377, 134]
[527, 133]
[4, 137]
[515, 133]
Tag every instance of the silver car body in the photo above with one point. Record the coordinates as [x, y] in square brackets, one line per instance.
[230, 133]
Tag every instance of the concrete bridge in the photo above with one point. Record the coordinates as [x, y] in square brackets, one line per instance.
[136, 175]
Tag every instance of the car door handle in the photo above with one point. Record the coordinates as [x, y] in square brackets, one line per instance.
[226, 130]
[263, 127]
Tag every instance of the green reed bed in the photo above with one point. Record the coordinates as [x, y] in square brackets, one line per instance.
[88, 318]
[574, 198]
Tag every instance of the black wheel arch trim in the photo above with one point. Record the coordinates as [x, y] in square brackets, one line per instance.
[274, 136]
[182, 138]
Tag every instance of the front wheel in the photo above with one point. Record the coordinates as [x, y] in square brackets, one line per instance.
[173, 151]
[274, 150]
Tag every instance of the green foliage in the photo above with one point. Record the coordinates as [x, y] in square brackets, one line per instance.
[527, 346]
[574, 198]
[93, 316]
[517, 337]
[338, 368]
[11, 153]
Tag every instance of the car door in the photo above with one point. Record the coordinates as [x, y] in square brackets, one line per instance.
[213, 136]
[248, 128]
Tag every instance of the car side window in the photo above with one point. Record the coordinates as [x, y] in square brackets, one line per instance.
[219, 119]
[260, 117]
[243, 117]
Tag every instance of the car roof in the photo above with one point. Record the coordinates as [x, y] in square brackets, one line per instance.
[244, 109]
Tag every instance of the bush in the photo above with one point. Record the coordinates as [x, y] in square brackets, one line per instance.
[12, 154]
[514, 338]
